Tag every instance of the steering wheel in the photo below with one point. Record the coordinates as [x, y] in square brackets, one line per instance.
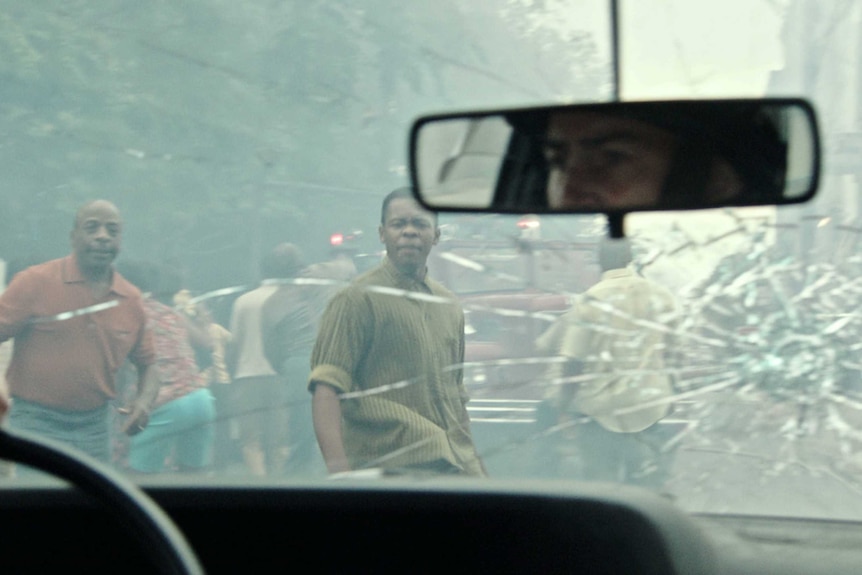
[152, 527]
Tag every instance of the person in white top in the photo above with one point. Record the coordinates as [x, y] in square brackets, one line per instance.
[262, 395]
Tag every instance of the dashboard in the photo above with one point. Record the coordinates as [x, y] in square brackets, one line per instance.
[422, 527]
[403, 527]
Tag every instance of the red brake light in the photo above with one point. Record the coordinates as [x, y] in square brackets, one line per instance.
[528, 223]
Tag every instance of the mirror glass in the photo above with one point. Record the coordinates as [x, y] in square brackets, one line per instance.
[619, 157]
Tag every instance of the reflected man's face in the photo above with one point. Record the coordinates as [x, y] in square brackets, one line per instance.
[597, 161]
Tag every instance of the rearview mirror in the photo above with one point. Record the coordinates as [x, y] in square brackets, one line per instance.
[618, 157]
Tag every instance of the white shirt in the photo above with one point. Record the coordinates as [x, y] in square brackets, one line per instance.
[245, 325]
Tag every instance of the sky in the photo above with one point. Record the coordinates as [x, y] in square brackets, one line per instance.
[715, 49]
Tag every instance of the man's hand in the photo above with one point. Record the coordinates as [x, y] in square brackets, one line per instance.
[5, 400]
[139, 412]
[137, 421]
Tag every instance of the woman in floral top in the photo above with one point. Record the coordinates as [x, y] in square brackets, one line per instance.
[219, 380]
[181, 428]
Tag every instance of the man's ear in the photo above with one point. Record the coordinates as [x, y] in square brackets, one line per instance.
[380, 233]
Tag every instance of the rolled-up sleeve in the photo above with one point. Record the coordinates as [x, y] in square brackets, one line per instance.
[341, 342]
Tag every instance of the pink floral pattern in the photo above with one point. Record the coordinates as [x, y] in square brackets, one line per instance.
[175, 358]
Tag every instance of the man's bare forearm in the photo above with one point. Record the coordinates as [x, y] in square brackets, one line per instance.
[326, 411]
[148, 388]
[139, 411]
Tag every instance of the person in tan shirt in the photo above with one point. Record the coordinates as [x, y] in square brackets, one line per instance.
[263, 397]
[615, 339]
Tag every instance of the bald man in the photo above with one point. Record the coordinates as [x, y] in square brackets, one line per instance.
[75, 321]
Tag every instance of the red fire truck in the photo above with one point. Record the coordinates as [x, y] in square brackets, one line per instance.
[511, 290]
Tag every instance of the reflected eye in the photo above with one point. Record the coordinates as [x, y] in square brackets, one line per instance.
[555, 156]
[613, 157]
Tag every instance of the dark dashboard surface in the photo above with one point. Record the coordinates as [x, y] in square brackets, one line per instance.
[362, 529]
[422, 528]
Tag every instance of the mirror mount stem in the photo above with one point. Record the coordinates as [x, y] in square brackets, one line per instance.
[615, 48]
[616, 227]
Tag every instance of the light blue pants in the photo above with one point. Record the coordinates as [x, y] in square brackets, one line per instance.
[182, 429]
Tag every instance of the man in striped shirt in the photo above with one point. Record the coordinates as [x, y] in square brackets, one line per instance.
[386, 367]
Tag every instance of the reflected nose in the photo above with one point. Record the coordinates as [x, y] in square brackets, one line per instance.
[576, 180]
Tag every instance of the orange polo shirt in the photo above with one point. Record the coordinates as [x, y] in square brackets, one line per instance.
[70, 363]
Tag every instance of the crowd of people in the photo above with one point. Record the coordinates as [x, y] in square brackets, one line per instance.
[118, 361]
[319, 371]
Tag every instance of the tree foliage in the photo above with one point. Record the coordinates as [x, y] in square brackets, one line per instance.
[219, 126]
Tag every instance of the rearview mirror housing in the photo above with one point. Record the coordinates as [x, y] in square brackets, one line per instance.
[618, 157]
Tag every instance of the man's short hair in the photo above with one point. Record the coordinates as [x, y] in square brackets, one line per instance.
[405, 193]
[79, 212]
[284, 261]
[614, 253]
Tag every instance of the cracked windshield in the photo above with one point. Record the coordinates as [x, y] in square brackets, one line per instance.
[215, 270]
